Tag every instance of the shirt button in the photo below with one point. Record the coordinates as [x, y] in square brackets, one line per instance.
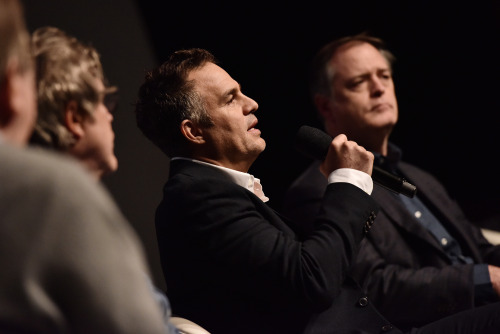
[363, 301]
[418, 214]
[386, 328]
[444, 241]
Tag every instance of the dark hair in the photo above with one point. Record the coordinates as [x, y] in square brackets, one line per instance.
[166, 98]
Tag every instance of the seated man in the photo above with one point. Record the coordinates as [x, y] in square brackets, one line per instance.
[424, 253]
[75, 107]
[234, 265]
[65, 247]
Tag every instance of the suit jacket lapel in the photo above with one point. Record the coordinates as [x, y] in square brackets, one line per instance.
[401, 217]
[430, 194]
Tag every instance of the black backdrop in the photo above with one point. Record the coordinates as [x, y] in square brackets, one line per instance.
[447, 75]
[447, 82]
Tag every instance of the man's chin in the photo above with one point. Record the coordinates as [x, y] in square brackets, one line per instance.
[263, 145]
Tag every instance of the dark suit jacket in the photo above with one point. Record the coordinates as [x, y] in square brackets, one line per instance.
[233, 265]
[407, 273]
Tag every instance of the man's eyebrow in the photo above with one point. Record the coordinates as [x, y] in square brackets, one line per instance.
[367, 74]
[233, 91]
[363, 75]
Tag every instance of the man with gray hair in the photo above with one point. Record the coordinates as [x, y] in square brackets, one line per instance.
[75, 108]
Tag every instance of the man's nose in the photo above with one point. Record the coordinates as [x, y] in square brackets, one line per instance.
[377, 87]
[251, 105]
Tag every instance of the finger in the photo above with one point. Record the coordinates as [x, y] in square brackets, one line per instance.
[339, 139]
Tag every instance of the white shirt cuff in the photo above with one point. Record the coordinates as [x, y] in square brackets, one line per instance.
[353, 176]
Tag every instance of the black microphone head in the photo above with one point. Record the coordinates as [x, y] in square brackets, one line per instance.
[312, 142]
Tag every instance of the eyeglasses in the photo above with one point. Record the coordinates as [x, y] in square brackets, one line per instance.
[110, 98]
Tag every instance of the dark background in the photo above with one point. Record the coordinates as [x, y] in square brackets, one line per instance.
[447, 83]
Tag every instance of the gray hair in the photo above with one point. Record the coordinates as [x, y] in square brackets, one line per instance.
[66, 70]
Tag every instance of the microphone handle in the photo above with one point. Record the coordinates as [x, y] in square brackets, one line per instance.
[392, 182]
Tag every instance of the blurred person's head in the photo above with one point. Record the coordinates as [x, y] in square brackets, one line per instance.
[17, 85]
[74, 115]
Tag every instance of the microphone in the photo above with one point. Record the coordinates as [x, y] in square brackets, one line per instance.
[314, 143]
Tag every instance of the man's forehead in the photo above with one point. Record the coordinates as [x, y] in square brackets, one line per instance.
[358, 57]
[211, 77]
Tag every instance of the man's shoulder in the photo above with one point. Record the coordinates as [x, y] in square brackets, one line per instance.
[190, 183]
[192, 173]
[42, 172]
[43, 164]
[417, 174]
[54, 188]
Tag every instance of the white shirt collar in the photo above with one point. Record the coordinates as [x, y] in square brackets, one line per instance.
[247, 181]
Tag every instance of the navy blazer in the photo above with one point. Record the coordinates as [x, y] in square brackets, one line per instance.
[234, 265]
[405, 270]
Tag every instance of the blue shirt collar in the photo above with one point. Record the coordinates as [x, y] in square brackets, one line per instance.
[391, 161]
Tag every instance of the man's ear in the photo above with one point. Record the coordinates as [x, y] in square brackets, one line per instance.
[73, 120]
[324, 106]
[192, 132]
